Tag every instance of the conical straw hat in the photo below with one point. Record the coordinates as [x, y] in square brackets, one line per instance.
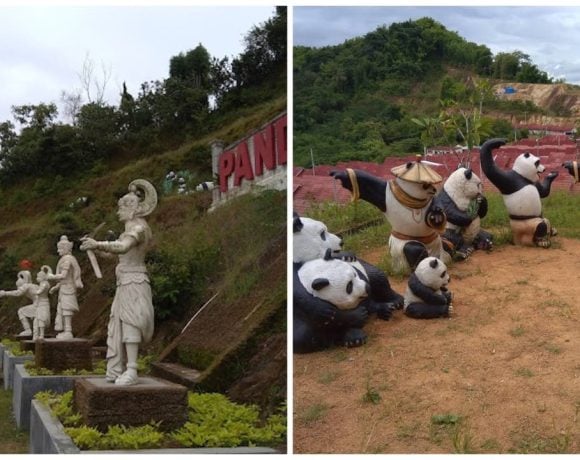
[417, 172]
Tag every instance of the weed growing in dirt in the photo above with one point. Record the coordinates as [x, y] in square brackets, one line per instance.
[518, 331]
[371, 395]
[491, 445]
[536, 444]
[314, 413]
[554, 349]
[454, 428]
[524, 372]
[328, 377]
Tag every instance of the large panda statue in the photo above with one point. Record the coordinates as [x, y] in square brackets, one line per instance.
[311, 240]
[522, 192]
[329, 305]
[407, 201]
[427, 295]
[464, 205]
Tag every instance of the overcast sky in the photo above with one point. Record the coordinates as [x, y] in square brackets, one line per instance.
[42, 49]
[549, 35]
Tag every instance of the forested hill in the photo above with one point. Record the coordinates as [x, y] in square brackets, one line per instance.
[357, 100]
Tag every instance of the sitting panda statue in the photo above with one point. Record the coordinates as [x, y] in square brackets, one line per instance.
[522, 192]
[572, 167]
[407, 201]
[464, 205]
[427, 295]
[328, 300]
[311, 240]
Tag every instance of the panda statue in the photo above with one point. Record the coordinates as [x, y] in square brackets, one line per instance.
[572, 167]
[311, 240]
[522, 192]
[407, 201]
[329, 310]
[427, 295]
[464, 205]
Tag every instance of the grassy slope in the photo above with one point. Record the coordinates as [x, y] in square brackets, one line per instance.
[12, 440]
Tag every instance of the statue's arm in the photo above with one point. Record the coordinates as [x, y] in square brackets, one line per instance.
[120, 246]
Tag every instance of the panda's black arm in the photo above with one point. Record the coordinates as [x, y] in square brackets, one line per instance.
[424, 292]
[544, 186]
[482, 209]
[454, 215]
[501, 179]
[371, 188]
[357, 317]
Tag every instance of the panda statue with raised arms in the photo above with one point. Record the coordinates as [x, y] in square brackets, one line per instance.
[522, 192]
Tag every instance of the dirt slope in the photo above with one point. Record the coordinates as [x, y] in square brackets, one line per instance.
[507, 363]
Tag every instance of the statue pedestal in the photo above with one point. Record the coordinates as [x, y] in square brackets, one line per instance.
[59, 355]
[103, 403]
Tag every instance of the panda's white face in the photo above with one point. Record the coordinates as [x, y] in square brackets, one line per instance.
[432, 272]
[529, 166]
[463, 185]
[312, 240]
[334, 281]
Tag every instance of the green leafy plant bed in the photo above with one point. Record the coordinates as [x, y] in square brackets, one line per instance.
[14, 347]
[214, 421]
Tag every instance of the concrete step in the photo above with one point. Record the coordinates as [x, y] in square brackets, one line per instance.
[176, 373]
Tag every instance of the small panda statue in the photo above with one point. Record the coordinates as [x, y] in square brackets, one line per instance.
[312, 240]
[427, 295]
[328, 300]
[464, 205]
[522, 192]
[407, 202]
[572, 167]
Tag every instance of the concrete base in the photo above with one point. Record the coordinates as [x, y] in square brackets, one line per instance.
[47, 436]
[8, 364]
[26, 386]
[59, 355]
[28, 345]
[102, 403]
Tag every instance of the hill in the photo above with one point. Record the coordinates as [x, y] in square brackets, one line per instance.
[358, 100]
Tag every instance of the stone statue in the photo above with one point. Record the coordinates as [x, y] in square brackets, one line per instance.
[131, 320]
[24, 287]
[68, 275]
[42, 318]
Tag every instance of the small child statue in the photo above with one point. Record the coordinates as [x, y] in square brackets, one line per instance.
[42, 318]
[68, 275]
[24, 288]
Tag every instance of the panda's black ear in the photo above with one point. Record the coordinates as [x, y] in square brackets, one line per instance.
[468, 173]
[298, 225]
[320, 283]
[433, 263]
[527, 154]
[328, 254]
[408, 165]
[295, 214]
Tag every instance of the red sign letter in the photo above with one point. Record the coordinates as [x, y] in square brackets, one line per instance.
[281, 143]
[243, 164]
[264, 150]
[226, 167]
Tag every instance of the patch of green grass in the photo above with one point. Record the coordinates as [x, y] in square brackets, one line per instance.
[328, 377]
[491, 445]
[314, 413]
[536, 444]
[405, 431]
[554, 349]
[12, 440]
[371, 395]
[524, 372]
[518, 331]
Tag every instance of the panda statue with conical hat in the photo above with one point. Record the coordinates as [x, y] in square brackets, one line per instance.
[522, 191]
[572, 167]
[407, 201]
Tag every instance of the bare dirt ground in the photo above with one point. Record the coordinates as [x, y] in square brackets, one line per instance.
[500, 376]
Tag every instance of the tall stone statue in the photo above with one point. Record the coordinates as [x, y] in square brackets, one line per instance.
[131, 320]
[24, 288]
[68, 275]
[42, 319]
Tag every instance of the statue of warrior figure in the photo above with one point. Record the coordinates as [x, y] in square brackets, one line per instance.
[68, 275]
[131, 320]
[24, 288]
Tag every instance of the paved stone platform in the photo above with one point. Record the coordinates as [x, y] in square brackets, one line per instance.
[58, 355]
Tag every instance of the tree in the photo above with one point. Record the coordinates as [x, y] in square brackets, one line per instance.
[94, 86]
[38, 116]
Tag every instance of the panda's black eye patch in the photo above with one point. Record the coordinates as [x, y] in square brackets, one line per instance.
[323, 235]
[443, 274]
[537, 163]
[349, 287]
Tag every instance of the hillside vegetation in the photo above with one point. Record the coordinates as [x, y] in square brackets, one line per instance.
[232, 250]
[358, 100]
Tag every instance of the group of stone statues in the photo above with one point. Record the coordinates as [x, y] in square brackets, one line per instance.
[131, 318]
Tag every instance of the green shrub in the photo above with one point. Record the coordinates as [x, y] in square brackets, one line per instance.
[194, 357]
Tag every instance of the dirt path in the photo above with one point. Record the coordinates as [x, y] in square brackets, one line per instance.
[507, 364]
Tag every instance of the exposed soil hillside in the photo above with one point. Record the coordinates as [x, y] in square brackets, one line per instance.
[554, 97]
[502, 375]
